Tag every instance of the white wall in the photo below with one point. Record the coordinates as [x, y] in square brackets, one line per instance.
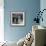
[1, 21]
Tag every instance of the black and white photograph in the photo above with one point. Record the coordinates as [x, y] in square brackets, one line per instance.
[17, 18]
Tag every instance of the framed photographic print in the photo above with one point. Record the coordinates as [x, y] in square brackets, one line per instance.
[17, 18]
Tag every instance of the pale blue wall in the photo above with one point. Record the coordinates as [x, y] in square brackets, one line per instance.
[30, 7]
[43, 6]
